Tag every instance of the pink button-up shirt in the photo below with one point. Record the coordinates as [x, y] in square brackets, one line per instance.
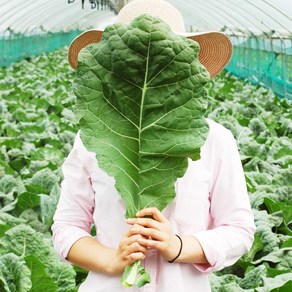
[211, 204]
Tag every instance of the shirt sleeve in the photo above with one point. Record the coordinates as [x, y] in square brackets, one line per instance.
[232, 224]
[73, 216]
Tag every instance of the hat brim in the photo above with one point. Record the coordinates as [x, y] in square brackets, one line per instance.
[215, 48]
[86, 38]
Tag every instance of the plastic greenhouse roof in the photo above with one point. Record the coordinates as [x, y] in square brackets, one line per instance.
[31, 16]
[233, 16]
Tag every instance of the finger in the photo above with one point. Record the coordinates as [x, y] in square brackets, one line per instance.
[145, 222]
[128, 233]
[136, 256]
[150, 243]
[152, 212]
[135, 247]
[127, 241]
[148, 232]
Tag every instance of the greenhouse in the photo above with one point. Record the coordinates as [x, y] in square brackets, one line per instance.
[126, 117]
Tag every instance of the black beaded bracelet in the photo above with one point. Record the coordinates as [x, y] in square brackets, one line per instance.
[181, 246]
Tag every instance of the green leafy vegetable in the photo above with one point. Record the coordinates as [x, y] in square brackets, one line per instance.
[14, 274]
[141, 100]
[41, 281]
[141, 103]
[23, 242]
[48, 205]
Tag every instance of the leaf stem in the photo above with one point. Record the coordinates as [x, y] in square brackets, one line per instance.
[130, 274]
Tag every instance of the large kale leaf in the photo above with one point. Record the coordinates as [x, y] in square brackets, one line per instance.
[141, 100]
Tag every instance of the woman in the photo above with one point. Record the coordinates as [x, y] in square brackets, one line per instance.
[206, 228]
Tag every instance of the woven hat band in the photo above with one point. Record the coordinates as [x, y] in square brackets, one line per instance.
[215, 51]
[83, 40]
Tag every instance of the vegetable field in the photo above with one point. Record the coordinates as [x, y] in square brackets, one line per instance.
[37, 129]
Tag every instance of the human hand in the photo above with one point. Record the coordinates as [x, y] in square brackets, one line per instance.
[156, 232]
[128, 251]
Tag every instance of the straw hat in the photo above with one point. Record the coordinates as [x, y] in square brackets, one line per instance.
[215, 47]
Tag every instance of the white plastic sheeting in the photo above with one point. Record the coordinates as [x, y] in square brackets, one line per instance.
[246, 16]
[27, 16]
[237, 16]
